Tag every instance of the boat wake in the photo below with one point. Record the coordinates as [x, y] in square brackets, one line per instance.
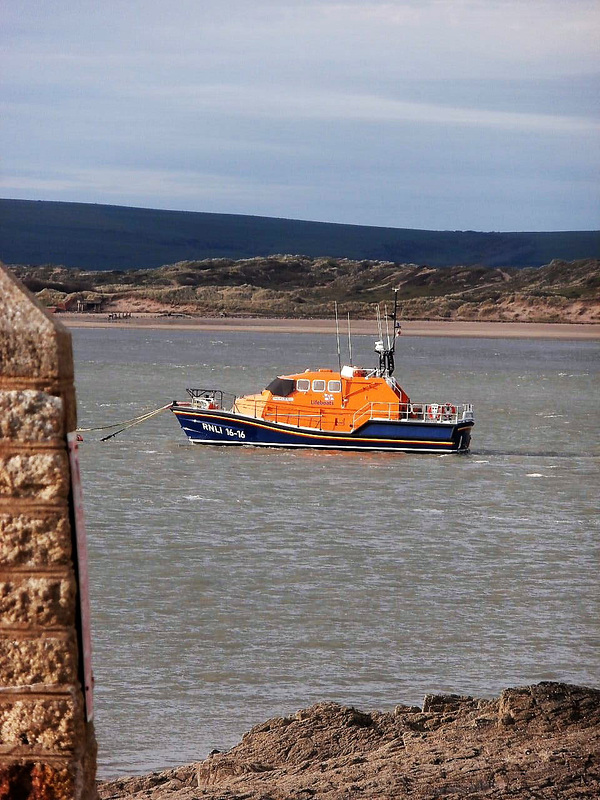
[530, 454]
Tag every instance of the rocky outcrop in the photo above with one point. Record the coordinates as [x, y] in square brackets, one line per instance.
[539, 741]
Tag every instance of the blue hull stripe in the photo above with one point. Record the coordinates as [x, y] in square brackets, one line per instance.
[223, 428]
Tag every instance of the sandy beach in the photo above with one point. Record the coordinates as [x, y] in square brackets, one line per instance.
[489, 330]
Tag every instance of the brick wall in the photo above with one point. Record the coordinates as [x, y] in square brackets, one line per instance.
[47, 745]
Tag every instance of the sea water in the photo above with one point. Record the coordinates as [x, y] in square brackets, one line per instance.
[230, 585]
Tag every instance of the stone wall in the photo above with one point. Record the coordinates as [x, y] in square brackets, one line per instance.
[47, 744]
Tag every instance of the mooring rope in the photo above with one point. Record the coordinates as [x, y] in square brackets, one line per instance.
[127, 423]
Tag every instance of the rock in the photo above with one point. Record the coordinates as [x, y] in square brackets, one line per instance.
[538, 741]
[447, 702]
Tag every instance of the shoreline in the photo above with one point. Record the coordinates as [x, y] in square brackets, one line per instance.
[529, 737]
[488, 330]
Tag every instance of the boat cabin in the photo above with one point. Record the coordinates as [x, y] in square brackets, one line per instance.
[326, 399]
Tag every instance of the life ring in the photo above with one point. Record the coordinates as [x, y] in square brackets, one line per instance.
[433, 412]
[449, 411]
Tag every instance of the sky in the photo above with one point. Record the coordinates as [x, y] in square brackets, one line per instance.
[434, 114]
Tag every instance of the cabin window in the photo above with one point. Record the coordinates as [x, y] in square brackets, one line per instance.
[281, 387]
[318, 386]
[334, 386]
[303, 385]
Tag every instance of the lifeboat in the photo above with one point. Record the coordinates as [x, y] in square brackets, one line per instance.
[352, 408]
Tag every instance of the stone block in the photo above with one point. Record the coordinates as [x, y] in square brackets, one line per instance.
[28, 601]
[50, 660]
[28, 415]
[42, 476]
[35, 539]
[32, 344]
[53, 724]
[35, 780]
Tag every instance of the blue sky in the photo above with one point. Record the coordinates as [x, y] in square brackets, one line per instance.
[437, 114]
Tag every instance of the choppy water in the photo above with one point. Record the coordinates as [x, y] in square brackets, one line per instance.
[232, 585]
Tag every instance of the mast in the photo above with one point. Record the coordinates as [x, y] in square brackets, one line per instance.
[349, 340]
[337, 336]
[386, 354]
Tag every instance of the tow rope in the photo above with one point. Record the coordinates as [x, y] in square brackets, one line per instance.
[127, 423]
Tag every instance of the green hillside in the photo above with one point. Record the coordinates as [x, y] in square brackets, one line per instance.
[105, 237]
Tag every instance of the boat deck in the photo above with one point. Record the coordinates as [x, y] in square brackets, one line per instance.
[327, 419]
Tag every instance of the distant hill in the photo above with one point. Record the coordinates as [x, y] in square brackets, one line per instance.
[299, 286]
[103, 237]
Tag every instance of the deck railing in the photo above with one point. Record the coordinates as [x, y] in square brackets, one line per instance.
[413, 412]
[376, 411]
[212, 398]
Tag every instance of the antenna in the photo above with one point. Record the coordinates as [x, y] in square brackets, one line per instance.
[379, 322]
[349, 340]
[387, 326]
[392, 346]
[337, 336]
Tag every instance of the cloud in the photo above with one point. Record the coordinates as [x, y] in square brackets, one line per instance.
[129, 185]
[430, 39]
[332, 110]
[279, 102]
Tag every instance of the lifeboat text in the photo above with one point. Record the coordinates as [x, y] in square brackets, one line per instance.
[208, 426]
